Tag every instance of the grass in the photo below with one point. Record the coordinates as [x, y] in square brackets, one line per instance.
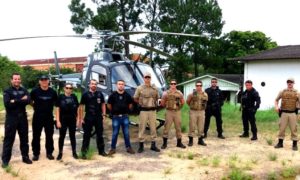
[238, 174]
[216, 161]
[90, 153]
[272, 176]
[203, 162]
[272, 156]
[269, 141]
[10, 170]
[1, 102]
[167, 171]
[289, 172]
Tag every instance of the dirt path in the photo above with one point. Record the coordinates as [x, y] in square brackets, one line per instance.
[212, 162]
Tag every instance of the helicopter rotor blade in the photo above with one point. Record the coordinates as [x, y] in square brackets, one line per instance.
[55, 36]
[156, 32]
[147, 47]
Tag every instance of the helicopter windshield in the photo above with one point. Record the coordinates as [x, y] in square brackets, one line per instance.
[124, 72]
[146, 68]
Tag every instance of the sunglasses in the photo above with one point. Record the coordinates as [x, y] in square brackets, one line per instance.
[69, 88]
[173, 83]
[198, 85]
[147, 77]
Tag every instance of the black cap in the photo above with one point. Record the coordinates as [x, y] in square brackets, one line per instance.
[44, 77]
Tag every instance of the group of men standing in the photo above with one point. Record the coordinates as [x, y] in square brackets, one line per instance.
[69, 113]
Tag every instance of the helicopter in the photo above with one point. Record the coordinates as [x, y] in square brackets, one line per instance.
[107, 66]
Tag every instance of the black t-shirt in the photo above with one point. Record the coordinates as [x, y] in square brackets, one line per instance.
[15, 94]
[120, 102]
[44, 100]
[67, 105]
[93, 102]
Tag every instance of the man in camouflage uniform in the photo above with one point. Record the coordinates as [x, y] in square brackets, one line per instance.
[287, 112]
[197, 102]
[173, 100]
[147, 96]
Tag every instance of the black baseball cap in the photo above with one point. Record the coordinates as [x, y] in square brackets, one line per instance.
[43, 77]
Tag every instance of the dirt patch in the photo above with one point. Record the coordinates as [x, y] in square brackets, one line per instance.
[197, 162]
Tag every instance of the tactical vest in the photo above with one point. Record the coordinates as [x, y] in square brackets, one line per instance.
[173, 100]
[198, 101]
[148, 97]
[288, 100]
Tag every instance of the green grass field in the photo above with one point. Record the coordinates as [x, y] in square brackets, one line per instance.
[266, 120]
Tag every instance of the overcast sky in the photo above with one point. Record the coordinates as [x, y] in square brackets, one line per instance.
[278, 19]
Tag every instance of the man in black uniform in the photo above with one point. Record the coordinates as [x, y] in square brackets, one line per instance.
[43, 99]
[214, 105]
[119, 103]
[15, 100]
[66, 113]
[95, 112]
[250, 103]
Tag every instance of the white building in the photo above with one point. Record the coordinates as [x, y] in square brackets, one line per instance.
[228, 83]
[270, 69]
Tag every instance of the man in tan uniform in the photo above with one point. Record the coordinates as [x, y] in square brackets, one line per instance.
[173, 100]
[147, 96]
[197, 102]
[289, 98]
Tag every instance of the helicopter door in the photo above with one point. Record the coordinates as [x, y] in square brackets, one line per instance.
[100, 74]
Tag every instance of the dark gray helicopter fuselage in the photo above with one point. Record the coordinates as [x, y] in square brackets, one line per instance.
[108, 67]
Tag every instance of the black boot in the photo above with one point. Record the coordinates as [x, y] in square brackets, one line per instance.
[179, 144]
[59, 156]
[205, 135]
[190, 141]
[220, 136]
[165, 143]
[153, 147]
[244, 135]
[201, 142]
[141, 147]
[254, 137]
[279, 144]
[295, 147]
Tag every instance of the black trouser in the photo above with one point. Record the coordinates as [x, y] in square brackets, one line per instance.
[38, 123]
[89, 123]
[67, 123]
[248, 115]
[14, 123]
[217, 114]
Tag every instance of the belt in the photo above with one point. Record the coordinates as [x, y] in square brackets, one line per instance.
[119, 115]
[173, 109]
[148, 108]
[287, 111]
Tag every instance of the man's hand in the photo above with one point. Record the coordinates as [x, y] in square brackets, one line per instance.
[58, 124]
[24, 97]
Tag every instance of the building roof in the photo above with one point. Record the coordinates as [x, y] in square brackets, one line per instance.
[51, 61]
[231, 78]
[280, 52]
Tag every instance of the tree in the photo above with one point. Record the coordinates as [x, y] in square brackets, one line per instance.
[238, 43]
[7, 67]
[202, 17]
[113, 15]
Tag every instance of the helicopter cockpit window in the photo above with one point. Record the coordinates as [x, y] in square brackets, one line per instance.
[160, 75]
[125, 73]
[99, 73]
[99, 56]
[154, 79]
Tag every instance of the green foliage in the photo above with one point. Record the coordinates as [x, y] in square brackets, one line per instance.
[203, 161]
[90, 153]
[190, 156]
[272, 156]
[289, 172]
[7, 67]
[216, 161]
[1, 102]
[30, 76]
[269, 141]
[272, 176]
[238, 174]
